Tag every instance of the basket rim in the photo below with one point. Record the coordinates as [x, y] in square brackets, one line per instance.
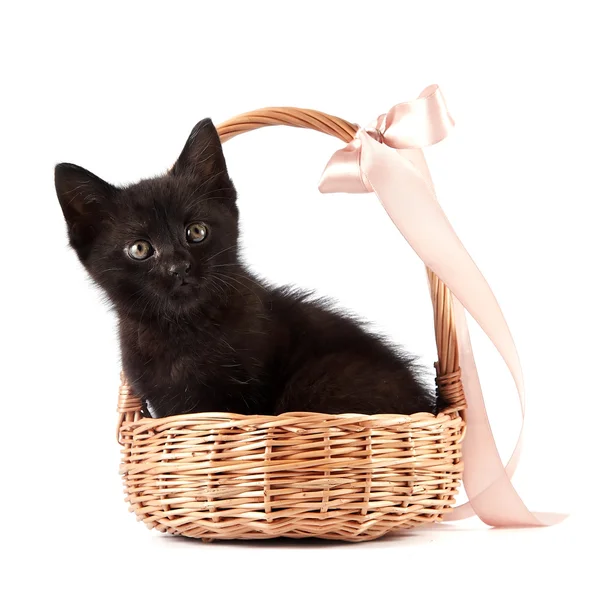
[292, 420]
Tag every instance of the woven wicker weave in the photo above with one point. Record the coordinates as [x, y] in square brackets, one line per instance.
[350, 477]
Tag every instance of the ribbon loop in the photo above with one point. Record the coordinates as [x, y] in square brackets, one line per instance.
[387, 159]
[420, 123]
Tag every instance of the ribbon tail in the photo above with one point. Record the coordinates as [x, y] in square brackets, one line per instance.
[492, 497]
[401, 181]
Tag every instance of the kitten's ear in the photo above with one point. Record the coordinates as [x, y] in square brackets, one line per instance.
[202, 156]
[86, 202]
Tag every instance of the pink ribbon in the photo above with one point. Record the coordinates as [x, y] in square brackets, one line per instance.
[387, 159]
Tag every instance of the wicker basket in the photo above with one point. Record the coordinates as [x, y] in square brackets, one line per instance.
[350, 477]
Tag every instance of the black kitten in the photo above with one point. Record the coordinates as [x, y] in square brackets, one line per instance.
[198, 331]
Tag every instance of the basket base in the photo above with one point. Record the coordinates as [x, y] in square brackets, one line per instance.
[298, 475]
[364, 531]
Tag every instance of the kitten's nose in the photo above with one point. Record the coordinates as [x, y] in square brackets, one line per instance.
[179, 269]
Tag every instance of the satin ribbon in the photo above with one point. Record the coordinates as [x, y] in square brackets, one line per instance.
[387, 158]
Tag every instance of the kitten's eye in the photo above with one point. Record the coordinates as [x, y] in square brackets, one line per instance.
[196, 232]
[140, 250]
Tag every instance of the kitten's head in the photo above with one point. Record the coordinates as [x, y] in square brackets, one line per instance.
[161, 245]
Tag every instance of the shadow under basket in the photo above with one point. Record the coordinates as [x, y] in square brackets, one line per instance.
[345, 477]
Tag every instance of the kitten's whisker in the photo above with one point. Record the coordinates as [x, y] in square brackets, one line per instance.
[111, 269]
[209, 198]
[251, 280]
[219, 289]
[226, 265]
[223, 189]
[217, 254]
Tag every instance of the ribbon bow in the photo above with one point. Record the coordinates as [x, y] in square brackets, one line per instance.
[387, 158]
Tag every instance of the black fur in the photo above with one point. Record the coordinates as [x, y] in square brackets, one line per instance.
[216, 338]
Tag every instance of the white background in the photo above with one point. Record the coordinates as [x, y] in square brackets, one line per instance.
[117, 88]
